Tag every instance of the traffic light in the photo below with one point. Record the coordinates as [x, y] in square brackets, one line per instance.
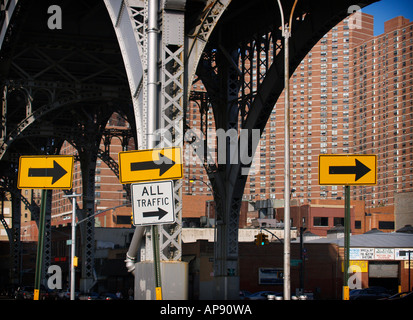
[258, 239]
[261, 239]
[264, 240]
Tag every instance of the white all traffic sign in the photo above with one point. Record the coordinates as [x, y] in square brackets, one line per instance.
[153, 203]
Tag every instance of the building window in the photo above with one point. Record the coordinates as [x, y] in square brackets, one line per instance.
[320, 221]
[386, 225]
[338, 221]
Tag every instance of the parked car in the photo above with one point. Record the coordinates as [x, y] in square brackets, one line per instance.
[244, 293]
[24, 292]
[261, 295]
[65, 294]
[408, 296]
[400, 296]
[90, 296]
[109, 296]
[372, 293]
[27, 293]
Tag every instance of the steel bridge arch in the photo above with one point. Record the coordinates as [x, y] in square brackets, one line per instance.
[44, 111]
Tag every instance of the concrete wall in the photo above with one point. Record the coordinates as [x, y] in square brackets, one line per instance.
[244, 235]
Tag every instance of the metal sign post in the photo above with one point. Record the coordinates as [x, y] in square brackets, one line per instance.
[40, 247]
[157, 263]
[153, 112]
[347, 223]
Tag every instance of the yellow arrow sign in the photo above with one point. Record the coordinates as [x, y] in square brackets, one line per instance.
[151, 164]
[343, 169]
[45, 172]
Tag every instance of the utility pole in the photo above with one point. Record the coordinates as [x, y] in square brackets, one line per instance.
[286, 33]
[73, 245]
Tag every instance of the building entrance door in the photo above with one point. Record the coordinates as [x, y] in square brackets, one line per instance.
[384, 274]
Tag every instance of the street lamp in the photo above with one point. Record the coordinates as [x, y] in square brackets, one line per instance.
[286, 33]
[72, 249]
[73, 241]
[195, 179]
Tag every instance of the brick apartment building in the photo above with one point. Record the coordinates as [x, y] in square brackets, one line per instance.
[351, 94]
[382, 68]
[321, 109]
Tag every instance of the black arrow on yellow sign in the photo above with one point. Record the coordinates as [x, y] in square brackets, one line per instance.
[359, 170]
[55, 173]
[163, 166]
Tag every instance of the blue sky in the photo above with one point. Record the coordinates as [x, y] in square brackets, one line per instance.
[387, 9]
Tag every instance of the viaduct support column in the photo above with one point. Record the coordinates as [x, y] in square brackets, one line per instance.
[15, 241]
[224, 180]
[87, 229]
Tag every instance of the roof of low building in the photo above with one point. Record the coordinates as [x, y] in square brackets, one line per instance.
[373, 240]
[406, 229]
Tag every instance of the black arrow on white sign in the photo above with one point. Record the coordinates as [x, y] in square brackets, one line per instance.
[160, 214]
[359, 170]
[163, 166]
